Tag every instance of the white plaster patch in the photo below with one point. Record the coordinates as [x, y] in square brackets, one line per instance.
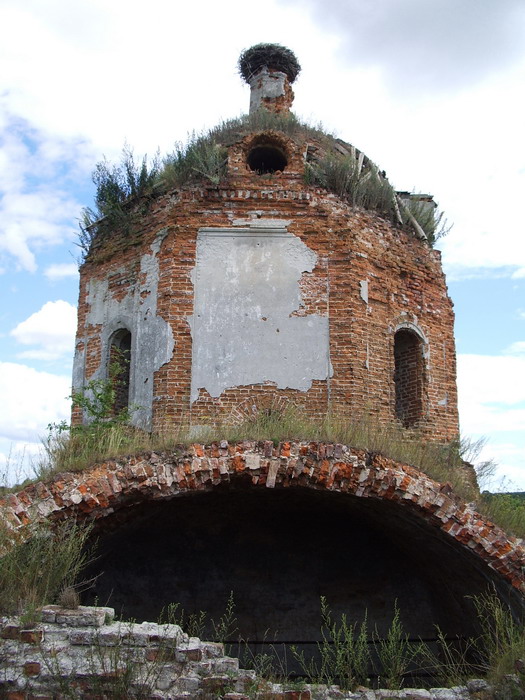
[151, 336]
[246, 290]
[363, 290]
[266, 85]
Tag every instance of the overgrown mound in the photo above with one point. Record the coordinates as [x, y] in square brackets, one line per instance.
[270, 56]
[203, 160]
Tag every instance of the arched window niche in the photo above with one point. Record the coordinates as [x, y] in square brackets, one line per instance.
[119, 368]
[409, 375]
[266, 154]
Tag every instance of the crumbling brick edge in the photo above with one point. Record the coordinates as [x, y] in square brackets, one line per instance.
[85, 653]
[105, 488]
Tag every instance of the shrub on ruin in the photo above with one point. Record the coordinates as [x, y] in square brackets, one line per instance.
[124, 190]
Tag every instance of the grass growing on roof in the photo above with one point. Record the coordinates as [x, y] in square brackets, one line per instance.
[125, 190]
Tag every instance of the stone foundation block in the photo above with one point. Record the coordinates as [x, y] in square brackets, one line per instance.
[31, 668]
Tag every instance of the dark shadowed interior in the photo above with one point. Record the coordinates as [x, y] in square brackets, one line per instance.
[266, 158]
[279, 551]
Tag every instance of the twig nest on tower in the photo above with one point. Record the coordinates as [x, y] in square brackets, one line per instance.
[270, 56]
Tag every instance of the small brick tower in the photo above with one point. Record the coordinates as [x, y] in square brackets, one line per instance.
[270, 280]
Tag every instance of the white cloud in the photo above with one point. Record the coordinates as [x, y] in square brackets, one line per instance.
[30, 219]
[491, 392]
[60, 271]
[518, 274]
[516, 348]
[52, 328]
[492, 380]
[18, 461]
[30, 401]
[509, 458]
[425, 46]
[36, 208]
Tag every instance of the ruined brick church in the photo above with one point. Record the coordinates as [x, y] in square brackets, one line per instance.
[266, 287]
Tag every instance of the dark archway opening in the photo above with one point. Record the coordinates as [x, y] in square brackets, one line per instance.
[409, 378]
[266, 158]
[279, 551]
[119, 368]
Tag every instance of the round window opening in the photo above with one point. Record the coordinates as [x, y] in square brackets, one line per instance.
[266, 158]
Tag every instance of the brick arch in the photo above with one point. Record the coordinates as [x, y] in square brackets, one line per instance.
[254, 405]
[109, 487]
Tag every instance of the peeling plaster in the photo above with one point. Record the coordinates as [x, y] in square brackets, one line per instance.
[266, 85]
[363, 290]
[151, 336]
[243, 328]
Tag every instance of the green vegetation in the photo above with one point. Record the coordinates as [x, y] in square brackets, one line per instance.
[74, 448]
[506, 510]
[105, 432]
[354, 178]
[77, 448]
[117, 186]
[396, 654]
[125, 191]
[36, 567]
[343, 653]
[200, 160]
[199, 624]
[350, 654]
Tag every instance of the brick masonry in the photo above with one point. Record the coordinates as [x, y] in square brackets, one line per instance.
[108, 487]
[370, 279]
[85, 653]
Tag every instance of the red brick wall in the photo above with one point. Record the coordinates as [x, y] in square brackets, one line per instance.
[406, 285]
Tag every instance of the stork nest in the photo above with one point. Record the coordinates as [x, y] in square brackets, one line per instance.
[270, 55]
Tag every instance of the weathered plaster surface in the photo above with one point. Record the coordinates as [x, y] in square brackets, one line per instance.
[246, 290]
[363, 290]
[151, 336]
[266, 85]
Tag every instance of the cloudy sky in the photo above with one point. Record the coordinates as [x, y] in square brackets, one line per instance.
[432, 90]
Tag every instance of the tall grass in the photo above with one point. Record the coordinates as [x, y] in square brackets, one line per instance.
[343, 653]
[348, 654]
[340, 168]
[395, 653]
[80, 448]
[350, 178]
[200, 160]
[505, 508]
[502, 640]
[117, 184]
[35, 569]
